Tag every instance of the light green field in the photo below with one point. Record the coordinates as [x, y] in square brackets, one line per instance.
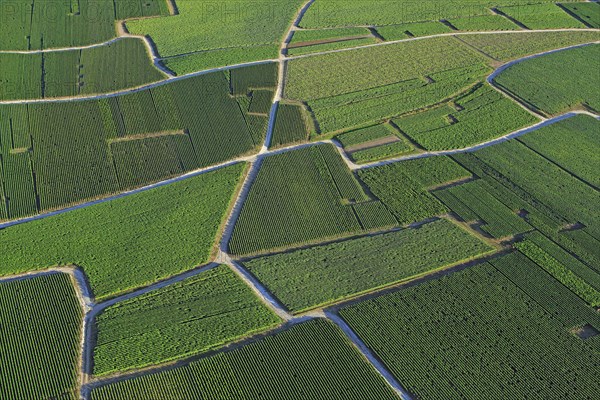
[557, 82]
[319, 275]
[129, 242]
[182, 319]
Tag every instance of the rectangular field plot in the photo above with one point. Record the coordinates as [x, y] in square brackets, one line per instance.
[91, 148]
[402, 77]
[342, 44]
[473, 202]
[588, 13]
[542, 16]
[334, 13]
[309, 41]
[374, 143]
[556, 82]
[405, 31]
[485, 324]
[220, 33]
[572, 144]
[309, 361]
[29, 25]
[298, 197]
[182, 319]
[40, 327]
[484, 23]
[479, 116]
[506, 47]
[320, 275]
[128, 242]
[402, 186]
[290, 125]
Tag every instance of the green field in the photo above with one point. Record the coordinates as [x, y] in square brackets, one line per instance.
[331, 13]
[483, 23]
[505, 323]
[304, 36]
[542, 177]
[119, 65]
[479, 116]
[128, 242]
[297, 51]
[382, 152]
[310, 361]
[299, 197]
[542, 16]
[237, 29]
[588, 12]
[56, 154]
[579, 157]
[405, 31]
[402, 187]
[473, 202]
[182, 319]
[31, 26]
[402, 77]
[290, 126]
[40, 324]
[507, 46]
[316, 276]
[556, 82]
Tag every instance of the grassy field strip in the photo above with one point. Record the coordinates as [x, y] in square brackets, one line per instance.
[185, 176]
[442, 35]
[256, 158]
[512, 135]
[94, 382]
[499, 70]
[368, 354]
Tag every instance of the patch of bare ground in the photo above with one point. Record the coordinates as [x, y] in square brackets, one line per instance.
[372, 143]
[585, 331]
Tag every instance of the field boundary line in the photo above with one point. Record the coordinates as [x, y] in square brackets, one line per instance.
[370, 357]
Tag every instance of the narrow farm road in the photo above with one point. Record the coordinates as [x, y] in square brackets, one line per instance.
[366, 352]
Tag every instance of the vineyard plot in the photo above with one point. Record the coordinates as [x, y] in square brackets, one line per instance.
[298, 197]
[131, 241]
[319, 275]
[310, 361]
[88, 149]
[40, 327]
[182, 319]
[444, 337]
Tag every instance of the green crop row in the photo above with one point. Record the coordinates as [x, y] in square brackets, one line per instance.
[290, 126]
[482, 115]
[342, 44]
[29, 26]
[405, 31]
[556, 82]
[483, 23]
[320, 275]
[473, 202]
[128, 242]
[298, 197]
[40, 335]
[542, 16]
[304, 36]
[87, 149]
[444, 337]
[565, 276]
[227, 24]
[403, 189]
[188, 317]
[309, 361]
